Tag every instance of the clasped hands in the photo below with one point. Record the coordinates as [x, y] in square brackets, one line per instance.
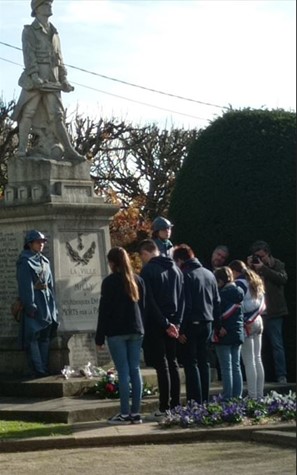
[172, 331]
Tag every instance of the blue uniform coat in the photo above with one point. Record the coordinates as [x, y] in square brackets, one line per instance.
[35, 286]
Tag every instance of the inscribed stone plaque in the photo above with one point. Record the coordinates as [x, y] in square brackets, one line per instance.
[79, 282]
[9, 251]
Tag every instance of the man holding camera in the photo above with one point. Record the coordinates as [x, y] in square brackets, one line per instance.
[273, 272]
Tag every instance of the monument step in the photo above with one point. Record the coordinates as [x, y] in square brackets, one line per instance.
[57, 386]
[66, 410]
[88, 407]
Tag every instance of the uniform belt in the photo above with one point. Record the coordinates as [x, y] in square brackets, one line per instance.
[40, 286]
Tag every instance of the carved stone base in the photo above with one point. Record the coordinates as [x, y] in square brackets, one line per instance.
[76, 224]
[36, 180]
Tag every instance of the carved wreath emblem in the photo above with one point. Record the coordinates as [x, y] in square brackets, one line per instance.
[75, 256]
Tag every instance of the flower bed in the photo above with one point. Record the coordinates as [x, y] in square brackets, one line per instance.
[273, 407]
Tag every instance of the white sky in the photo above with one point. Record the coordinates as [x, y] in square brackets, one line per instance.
[239, 53]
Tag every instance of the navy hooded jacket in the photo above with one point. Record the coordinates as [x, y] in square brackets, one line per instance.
[202, 300]
[165, 293]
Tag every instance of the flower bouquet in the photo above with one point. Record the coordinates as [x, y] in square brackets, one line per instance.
[88, 371]
[108, 386]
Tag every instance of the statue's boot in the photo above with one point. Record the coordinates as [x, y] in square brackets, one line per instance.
[70, 153]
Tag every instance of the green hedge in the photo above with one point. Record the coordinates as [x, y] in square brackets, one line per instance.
[237, 185]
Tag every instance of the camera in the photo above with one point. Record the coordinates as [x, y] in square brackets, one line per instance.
[256, 259]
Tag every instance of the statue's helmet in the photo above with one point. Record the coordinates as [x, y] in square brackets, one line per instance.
[36, 3]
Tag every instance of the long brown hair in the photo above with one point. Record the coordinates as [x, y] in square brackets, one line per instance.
[224, 274]
[121, 263]
[256, 286]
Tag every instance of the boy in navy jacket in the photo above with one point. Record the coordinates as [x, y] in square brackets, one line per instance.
[165, 308]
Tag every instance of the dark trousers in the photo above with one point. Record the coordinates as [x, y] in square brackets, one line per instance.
[195, 361]
[160, 353]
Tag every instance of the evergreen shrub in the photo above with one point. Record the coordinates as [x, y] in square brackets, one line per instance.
[237, 185]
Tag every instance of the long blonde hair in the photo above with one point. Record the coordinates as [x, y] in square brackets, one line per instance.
[121, 263]
[256, 286]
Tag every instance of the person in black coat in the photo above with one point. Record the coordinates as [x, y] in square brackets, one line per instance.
[165, 308]
[120, 319]
[202, 305]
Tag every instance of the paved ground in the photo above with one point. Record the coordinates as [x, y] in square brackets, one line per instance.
[199, 458]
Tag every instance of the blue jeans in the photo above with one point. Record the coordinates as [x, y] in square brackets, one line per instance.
[274, 330]
[229, 359]
[38, 351]
[125, 352]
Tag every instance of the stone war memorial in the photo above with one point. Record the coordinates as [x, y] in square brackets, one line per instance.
[49, 189]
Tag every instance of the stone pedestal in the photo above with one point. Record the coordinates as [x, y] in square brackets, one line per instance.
[56, 198]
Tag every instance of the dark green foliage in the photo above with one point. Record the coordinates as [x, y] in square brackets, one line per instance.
[237, 185]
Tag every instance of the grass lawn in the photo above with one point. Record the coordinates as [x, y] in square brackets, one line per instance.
[25, 430]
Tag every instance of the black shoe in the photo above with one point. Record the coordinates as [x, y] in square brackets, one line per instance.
[136, 419]
[41, 375]
[119, 419]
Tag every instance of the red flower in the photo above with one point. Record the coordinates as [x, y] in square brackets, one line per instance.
[110, 388]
